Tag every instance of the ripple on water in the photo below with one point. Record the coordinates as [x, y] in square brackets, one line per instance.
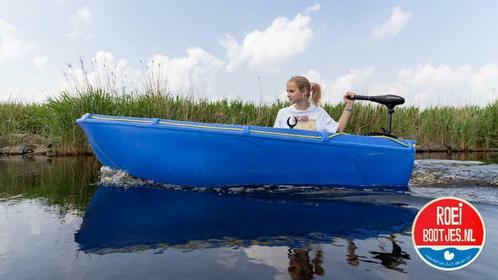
[454, 173]
[471, 180]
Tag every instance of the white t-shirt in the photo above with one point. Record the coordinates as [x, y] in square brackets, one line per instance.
[313, 118]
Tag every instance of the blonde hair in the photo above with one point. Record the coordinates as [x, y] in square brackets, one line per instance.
[312, 88]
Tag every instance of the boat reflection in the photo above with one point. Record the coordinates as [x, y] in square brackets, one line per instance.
[141, 217]
[286, 233]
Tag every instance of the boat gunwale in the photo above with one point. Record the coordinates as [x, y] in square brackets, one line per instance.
[245, 130]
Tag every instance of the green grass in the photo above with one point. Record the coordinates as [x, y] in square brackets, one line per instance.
[469, 127]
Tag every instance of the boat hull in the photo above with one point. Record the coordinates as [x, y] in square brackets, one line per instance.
[214, 155]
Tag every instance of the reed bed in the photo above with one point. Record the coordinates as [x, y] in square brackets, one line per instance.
[461, 128]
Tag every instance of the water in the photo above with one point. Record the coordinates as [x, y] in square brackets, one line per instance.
[66, 218]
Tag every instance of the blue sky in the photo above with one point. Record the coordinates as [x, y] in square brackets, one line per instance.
[431, 52]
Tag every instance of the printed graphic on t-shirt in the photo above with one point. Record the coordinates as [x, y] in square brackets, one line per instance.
[305, 123]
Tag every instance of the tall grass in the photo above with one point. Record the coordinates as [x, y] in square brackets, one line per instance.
[469, 127]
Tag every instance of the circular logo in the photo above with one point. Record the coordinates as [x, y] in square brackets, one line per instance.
[448, 233]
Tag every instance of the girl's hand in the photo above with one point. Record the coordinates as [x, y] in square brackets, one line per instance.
[349, 102]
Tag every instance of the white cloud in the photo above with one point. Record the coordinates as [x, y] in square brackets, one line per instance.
[313, 8]
[333, 92]
[283, 39]
[83, 15]
[40, 62]
[394, 24]
[105, 73]
[484, 84]
[27, 94]
[80, 23]
[10, 44]
[422, 85]
[429, 85]
[7, 27]
[355, 80]
[198, 69]
[180, 75]
[104, 62]
[10, 47]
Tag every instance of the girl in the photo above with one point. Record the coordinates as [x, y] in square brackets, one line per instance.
[303, 115]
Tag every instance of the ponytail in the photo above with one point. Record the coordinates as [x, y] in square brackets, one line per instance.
[316, 93]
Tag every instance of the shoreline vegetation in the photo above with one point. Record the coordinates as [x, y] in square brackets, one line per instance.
[49, 128]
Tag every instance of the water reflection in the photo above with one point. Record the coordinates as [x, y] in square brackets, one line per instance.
[66, 183]
[393, 259]
[303, 266]
[488, 157]
[351, 256]
[48, 232]
[140, 218]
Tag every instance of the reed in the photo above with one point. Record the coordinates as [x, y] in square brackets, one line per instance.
[468, 127]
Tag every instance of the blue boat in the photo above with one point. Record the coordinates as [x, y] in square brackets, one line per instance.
[215, 155]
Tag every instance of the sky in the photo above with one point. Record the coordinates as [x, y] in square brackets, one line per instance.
[433, 53]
